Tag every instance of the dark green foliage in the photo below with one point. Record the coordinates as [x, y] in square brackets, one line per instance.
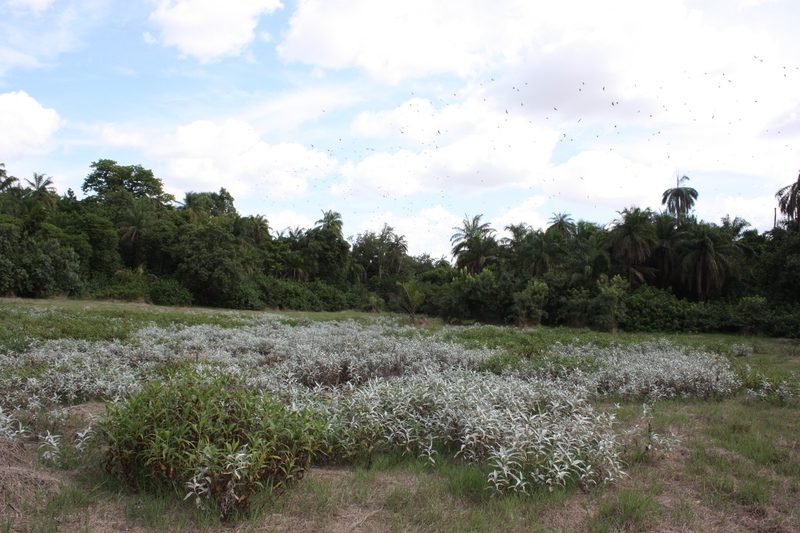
[651, 309]
[108, 180]
[753, 315]
[168, 292]
[210, 438]
[529, 303]
[608, 309]
[30, 267]
[478, 297]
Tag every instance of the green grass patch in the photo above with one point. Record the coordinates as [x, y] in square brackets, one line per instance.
[630, 510]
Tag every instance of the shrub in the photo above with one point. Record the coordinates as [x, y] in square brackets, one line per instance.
[210, 438]
[168, 292]
[752, 315]
[651, 309]
[608, 307]
[529, 303]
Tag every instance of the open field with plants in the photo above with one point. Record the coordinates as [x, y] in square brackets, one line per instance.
[127, 417]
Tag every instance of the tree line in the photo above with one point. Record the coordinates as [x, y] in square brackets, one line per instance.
[646, 270]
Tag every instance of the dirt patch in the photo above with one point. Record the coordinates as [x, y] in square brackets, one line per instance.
[20, 486]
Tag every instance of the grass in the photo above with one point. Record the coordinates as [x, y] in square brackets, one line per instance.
[735, 464]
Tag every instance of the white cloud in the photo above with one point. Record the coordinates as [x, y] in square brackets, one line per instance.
[397, 39]
[205, 155]
[148, 38]
[427, 232]
[33, 5]
[759, 211]
[288, 110]
[527, 212]
[121, 135]
[604, 179]
[209, 29]
[34, 32]
[288, 219]
[467, 147]
[26, 126]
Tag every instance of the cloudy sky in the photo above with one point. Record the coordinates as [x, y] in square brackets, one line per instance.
[415, 113]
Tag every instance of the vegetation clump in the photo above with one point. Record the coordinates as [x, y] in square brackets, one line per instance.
[209, 437]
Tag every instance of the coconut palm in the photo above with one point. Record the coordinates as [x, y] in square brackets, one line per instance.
[42, 190]
[6, 181]
[474, 245]
[632, 239]
[679, 200]
[709, 258]
[562, 223]
[789, 201]
[331, 220]
[134, 221]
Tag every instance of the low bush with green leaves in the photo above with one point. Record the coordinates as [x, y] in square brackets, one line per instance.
[209, 437]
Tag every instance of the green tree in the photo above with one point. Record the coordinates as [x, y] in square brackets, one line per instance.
[108, 181]
[331, 221]
[474, 245]
[679, 200]
[133, 222]
[380, 253]
[6, 181]
[562, 223]
[529, 303]
[708, 259]
[42, 190]
[632, 238]
[789, 202]
[411, 298]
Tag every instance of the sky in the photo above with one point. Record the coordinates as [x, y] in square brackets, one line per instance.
[412, 113]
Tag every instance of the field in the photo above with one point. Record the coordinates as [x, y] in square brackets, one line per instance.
[125, 417]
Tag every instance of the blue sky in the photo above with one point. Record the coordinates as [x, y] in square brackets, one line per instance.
[412, 113]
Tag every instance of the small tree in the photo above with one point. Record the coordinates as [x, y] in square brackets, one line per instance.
[608, 307]
[411, 298]
[529, 303]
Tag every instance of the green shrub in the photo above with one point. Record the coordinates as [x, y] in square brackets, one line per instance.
[752, 314]
[208, 438]
[168, 292]
[529, 303]
[608, 307]
[653, 310]
[129, 291]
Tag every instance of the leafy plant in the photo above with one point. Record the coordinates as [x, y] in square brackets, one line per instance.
[206, 435]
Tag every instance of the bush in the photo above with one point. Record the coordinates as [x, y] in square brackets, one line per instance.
[128, 291]
[753, 315]
[207, 437]
[286, 294]
[653, 310]
[168, 292]
[529, 303]
[608, 307]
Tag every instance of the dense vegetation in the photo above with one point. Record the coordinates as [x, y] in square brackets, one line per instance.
[645, 271]
[207, 413]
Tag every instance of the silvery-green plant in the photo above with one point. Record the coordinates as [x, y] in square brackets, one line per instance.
[10, 427]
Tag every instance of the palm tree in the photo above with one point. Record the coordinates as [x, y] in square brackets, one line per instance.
[252, 229]
[411, 298]
[668, 233]
[562, 223]
[6, 181]
[331, 220]
[679, 200]
[134, 221]
[632, 239]
[789, 201]
[473, 244]
[42, 190]
[708, 259]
